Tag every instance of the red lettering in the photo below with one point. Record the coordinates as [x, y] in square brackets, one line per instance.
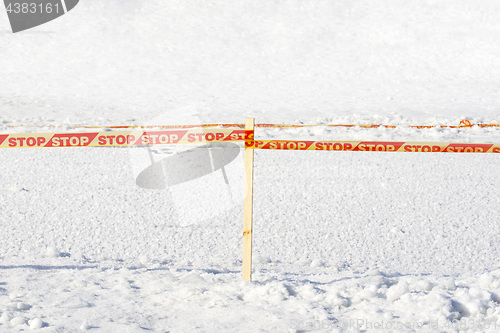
[209, 137]
[120, 139]
[249, 135]
[31, 141]
[200, 136]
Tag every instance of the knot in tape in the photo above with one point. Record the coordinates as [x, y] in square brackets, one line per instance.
[465, 123]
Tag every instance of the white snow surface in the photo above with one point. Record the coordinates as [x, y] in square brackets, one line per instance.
[343, 241]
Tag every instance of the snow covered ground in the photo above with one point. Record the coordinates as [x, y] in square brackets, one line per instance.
[344, 241]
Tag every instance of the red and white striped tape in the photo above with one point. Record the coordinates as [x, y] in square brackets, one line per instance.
[121, 138]
[421, 147]
[183, 135]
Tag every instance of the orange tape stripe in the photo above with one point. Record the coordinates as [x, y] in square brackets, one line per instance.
[423, 147]
[377, 126]
[120, 138]
[463, 123]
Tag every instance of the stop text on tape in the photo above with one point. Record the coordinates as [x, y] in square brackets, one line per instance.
[121, 138]
[378, 146]
[178, 136]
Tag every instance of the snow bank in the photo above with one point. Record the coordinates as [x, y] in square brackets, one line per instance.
[71, 296]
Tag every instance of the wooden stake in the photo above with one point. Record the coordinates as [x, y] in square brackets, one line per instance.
[248, 204]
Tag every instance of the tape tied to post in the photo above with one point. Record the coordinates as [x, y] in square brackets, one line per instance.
[213, 135]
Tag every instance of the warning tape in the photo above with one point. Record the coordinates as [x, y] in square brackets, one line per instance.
[422, 147]
[462, 124]
[121, 138]
[192, 135]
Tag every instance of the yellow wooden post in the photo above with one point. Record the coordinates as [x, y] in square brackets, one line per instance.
[248, 201]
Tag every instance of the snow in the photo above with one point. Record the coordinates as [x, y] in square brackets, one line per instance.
[343, 241]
